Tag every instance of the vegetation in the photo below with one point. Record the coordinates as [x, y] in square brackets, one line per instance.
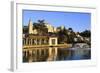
[86, 33]
[40, 26]
[25, 29]
[66, 36]
[62, 36]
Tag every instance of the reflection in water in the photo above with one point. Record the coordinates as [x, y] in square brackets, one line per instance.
[55, 54]
[69, 54]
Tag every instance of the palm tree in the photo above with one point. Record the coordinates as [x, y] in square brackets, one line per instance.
[40, 26]
[86, 33]
[70, 29]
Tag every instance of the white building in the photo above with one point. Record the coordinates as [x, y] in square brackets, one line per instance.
[32, 36]
[50, 28]
[30, 26]
[34, 31]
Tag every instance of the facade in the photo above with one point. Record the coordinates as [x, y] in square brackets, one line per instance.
[32, 38]
[30, 27]
[36, 40]
[50, 28]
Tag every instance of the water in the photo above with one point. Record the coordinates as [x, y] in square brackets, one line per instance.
[55, 54]
[76, 54]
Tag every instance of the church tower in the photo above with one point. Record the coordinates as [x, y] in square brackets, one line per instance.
[30, 27]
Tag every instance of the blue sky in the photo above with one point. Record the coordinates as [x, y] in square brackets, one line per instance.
[75, 20]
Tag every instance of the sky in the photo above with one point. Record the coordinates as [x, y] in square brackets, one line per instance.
[78, 21]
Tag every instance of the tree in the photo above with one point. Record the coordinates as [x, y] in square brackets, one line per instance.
[25, 29]
[40, 26]
[63, 36]
[71, 38]
[70, 29]
[86, 33]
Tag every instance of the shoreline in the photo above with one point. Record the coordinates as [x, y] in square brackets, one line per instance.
[43, 46]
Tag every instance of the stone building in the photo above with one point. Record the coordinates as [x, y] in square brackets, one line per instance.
[32, 38]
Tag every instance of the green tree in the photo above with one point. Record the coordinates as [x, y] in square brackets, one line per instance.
[63, 36]
[86, 33]
[40, 26]
[70, 29]
[71, 38]
[25, 29]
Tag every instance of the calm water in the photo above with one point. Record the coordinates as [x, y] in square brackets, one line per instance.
[56, 54]
[70, 54]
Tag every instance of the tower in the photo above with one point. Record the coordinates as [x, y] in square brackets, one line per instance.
[30, 27]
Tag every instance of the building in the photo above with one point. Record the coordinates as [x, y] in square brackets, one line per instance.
[32, 38]
[30, 28]
[60, 28]
[50, 28]
[34, 31]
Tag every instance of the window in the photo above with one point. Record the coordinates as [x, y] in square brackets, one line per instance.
[53, 41]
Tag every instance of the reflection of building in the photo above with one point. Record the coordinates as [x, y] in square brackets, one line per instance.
[39, 54]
